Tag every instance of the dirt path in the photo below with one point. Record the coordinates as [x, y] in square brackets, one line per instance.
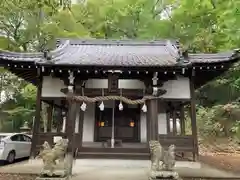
[224, 156]
[224, 161]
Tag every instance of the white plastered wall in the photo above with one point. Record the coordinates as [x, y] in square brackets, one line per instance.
[176, 89]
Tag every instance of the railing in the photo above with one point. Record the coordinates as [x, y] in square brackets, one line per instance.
[49, 137]
[183, 143]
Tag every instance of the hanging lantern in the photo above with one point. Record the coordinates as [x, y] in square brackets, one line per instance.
[120, 106]
[131, 124]
[101, 106]
[144, 108]
[83, 106]
[101, 124]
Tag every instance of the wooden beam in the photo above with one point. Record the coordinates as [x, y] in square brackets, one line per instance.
[36, 124]
[124, 92]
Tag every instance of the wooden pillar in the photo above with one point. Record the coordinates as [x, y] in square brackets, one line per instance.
[71, 121]
[36, 123]
[70, 125]
[168, 122]
[70, 131]
[193, 116]
[59, 119]
[80, 127]
[152, 119]
[49, 117]
[174, 122]
[182, 120]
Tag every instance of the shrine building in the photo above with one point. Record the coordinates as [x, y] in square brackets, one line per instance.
[112, 96]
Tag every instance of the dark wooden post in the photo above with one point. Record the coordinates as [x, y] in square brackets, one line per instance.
[174, 122]
[168, 122]
[36, 123]
[59, 119]
[152, 119]
[49, 117]
[80, 127]
[70, 126]
[182, 120]
[148, 128]
[71, 121]
[193, 116]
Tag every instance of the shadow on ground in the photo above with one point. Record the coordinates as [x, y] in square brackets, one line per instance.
[4, 163]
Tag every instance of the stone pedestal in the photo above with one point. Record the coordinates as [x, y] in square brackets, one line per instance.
[166, 175]
[52, 178]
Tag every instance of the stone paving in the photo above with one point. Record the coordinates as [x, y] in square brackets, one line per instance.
[100, 169]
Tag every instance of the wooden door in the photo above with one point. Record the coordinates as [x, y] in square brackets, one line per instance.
[126, 124]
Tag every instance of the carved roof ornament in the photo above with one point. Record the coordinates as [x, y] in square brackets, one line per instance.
[155, 78]
[71, 81]
[71, 78]
[184, 57]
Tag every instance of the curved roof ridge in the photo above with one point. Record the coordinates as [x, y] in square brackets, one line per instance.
[172, 49]
[60, 49]
[127, 42]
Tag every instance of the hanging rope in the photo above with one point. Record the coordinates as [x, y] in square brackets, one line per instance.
[106, 98]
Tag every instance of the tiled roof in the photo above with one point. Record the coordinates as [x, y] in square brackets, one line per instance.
[16, 56]
[116, 53]
[212, 58]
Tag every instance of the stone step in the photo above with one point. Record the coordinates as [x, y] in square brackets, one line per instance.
[114, 150]
[113, 155]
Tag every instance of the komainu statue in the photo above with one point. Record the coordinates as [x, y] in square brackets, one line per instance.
[157, 154]
[53, 159]
[169, 158]
[162, 161]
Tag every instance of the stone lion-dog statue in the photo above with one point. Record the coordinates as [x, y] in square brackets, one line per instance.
[158, 154]
[52, 157]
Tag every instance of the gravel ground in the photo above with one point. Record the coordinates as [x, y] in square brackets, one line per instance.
[16, 177]
[4, 176]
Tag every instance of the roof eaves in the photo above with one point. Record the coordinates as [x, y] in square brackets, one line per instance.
[20, 57]
[126, 42]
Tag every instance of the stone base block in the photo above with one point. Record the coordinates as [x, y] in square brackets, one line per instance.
[166, 175]
[52, 178]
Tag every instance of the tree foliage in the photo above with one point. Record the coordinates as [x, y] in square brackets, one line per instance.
[201, 25]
